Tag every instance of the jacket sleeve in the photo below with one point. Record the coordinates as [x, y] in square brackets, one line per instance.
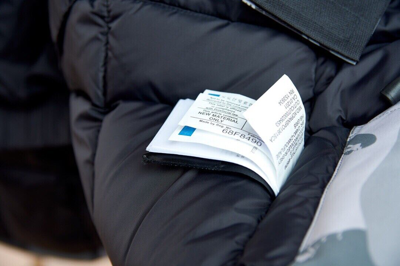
[128, 62]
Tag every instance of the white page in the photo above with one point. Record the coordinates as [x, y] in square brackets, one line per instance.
[222, 113]
[266, 136]
[229, 144]
[161, 144]
[279, 119]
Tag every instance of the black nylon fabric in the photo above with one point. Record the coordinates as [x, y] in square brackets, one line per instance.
[128, 63]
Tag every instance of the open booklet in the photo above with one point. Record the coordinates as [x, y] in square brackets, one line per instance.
[265, 136]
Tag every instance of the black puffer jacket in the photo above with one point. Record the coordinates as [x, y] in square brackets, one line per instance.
[127, 63]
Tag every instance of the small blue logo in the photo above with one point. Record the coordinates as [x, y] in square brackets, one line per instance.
[187, 131]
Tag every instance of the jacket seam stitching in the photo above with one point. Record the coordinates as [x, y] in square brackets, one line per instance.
[104, 90]
[181, 9]
[106, 50]
[184, 10]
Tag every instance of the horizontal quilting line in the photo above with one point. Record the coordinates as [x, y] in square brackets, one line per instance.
[187, 11]
[178, 8]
